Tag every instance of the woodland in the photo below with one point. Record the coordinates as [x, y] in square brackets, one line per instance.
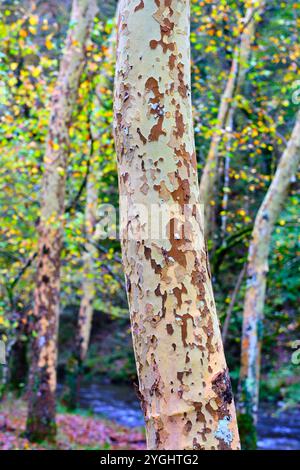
[149, 225]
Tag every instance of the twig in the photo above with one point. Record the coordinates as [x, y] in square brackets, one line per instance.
[232, 303]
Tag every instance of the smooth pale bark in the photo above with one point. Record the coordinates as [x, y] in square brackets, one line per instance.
[184, 383]
[256, 279]
[42, 383]
[226, 188]
[225, 120]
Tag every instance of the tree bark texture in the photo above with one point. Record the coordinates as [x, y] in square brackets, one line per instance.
[184, 384]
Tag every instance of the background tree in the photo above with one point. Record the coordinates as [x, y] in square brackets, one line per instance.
[257, 270]
[42, 384]
[104, 84]
[224, 122]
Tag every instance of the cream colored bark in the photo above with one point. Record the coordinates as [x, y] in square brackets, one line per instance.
[257, 272]
[183, 378]
[42, 383]
[225, 118]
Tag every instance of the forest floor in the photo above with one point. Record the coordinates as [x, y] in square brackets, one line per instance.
[75, 431]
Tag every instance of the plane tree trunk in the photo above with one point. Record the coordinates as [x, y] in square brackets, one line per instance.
[184, 384]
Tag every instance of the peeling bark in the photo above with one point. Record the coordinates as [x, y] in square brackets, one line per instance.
[256, 279]
[42, 381]
[225, 119]
[184, 384]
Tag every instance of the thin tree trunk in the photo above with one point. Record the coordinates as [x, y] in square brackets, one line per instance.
[18, 363]
[234, 81]
[256, 284]
[88, 283]
[184, 383]
[88, 287]
[85, 315]
[42, 384]
[231, 305]
[226, 188]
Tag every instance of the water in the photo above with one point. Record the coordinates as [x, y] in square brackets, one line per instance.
[116, 402]
[279, 431]
[120, 404]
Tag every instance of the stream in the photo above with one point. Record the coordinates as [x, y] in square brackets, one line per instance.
[120, 404]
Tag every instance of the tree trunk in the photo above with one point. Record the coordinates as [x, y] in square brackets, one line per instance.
[98, 125]
[18, 363]
[256, 285]
[88, 288]
[232, 304]
[42, 384]
[235, 80]
[88, 284]
[184, 383]
[85, 314]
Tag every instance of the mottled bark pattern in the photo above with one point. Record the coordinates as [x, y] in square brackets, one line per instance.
[42, 386]
[257, 272]
[183, 379]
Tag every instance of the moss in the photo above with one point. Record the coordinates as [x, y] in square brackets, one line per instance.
[18, 367]
[247, 430]
[40, 431]
[74, 371]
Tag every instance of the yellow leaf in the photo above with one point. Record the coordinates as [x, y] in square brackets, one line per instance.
[23, 33]
[33, 20]
[12, 81]
[49, 43]
[36, 71]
